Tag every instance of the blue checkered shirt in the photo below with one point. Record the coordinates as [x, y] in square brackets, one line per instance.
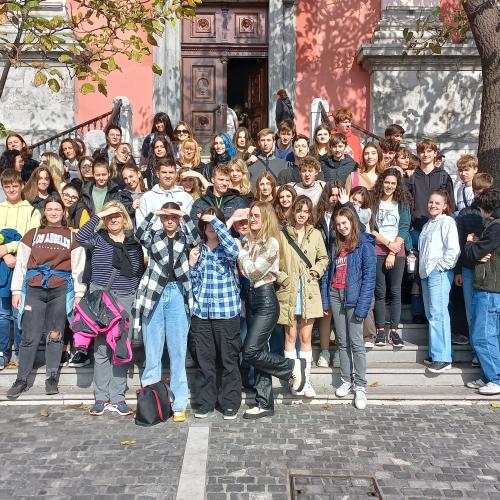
[214, 278]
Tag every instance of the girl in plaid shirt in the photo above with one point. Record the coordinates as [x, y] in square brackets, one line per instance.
[215, 324]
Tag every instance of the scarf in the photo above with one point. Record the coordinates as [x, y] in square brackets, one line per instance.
[121, 256]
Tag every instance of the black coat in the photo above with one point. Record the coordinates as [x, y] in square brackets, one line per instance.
[231, 201]
[284, 110]
[114, 193]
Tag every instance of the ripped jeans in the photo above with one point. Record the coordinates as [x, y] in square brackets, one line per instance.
[44, 312]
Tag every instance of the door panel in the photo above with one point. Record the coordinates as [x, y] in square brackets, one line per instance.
[204, 96]
[257, 97]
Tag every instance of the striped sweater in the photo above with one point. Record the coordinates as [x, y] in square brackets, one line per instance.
[102, 258]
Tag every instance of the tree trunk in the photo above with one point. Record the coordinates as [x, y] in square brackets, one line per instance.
[484, 18]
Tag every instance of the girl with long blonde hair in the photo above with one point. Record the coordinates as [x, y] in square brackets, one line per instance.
[259, 261]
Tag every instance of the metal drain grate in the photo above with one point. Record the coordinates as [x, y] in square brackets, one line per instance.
[323, 487]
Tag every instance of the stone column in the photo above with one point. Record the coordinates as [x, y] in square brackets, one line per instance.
[435, 96]
[167, 92]
[281, 55]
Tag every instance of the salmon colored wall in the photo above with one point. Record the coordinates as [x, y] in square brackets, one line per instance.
[329, 35]
[135, 81]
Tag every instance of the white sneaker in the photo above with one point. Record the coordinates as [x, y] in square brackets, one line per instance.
[308, 390]
[490, 389]
[475, 384]
[360, 398]
[324, 359]
[343, 390]
[369, 344]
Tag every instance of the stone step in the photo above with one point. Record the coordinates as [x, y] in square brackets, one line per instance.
[380, 374]
[410, 353]
[83, 398]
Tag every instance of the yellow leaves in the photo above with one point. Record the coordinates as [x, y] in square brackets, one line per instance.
[128, 442]
[375, 384]
[44, 413]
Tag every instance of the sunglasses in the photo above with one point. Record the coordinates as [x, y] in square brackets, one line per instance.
[182, 131]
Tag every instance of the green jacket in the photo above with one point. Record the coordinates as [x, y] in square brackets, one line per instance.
[486, 274]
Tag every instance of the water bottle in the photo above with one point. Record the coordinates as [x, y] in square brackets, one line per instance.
[411, 262]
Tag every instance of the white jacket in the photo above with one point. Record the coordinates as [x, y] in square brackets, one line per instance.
[157, 197]
[438, 245]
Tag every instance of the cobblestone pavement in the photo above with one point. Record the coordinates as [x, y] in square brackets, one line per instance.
[413, 452]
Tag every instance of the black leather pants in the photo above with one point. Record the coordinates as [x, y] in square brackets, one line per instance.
[263, 312]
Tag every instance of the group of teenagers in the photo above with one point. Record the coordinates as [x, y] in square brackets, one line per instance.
[235, 260]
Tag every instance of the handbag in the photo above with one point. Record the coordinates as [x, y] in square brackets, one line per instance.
[154, 404]
[297, 249]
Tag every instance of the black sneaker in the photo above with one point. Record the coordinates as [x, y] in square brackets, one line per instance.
[229, 414]
[202, 413]
[17, 387]
[65, 357]
[79, 359]
[420, 320]
[51, 386]
[428, 361]
[439, 366]
[459, 339]
[396, 340]
[381, 338]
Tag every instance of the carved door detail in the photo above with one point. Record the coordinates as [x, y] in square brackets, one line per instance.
[257, 97]
[204, 96]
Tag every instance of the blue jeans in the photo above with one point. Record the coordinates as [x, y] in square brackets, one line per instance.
[7, 312]
[467, 277]
[485, 319]
[168, 321]
[436, 294]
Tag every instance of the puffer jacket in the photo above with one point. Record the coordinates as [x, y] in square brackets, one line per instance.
[487, 274]
[361, 275]
[115, 193]
[314, 249]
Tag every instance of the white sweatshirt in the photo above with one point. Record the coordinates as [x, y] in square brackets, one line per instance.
[438, 245]
[157, 197]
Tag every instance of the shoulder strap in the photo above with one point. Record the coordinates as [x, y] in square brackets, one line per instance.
[355, 178]
[297, 249]
[114, 274]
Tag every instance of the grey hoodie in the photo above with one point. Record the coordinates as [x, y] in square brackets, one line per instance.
[154, 200]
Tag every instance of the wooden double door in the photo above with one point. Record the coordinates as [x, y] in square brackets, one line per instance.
[215, 39]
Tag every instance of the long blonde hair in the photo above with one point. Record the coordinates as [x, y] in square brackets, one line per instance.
[269, 228]
[244, 187]
[55, 166]
[197, 151]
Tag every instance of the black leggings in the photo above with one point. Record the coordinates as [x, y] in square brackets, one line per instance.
[263, 312]
[394, 276]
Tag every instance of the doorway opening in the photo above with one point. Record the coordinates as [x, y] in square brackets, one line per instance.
[247, 91]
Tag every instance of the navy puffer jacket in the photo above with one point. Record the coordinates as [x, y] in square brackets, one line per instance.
[361, 275]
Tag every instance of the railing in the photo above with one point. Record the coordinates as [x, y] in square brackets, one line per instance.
[325, 118]
[96, 123]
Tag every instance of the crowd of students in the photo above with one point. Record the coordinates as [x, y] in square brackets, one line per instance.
[235, 260]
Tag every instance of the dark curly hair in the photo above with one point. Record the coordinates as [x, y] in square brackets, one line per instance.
[401, 194]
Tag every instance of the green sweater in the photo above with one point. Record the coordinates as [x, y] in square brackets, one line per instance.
[22, 217]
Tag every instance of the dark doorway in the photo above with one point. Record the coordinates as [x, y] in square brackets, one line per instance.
[247, 91]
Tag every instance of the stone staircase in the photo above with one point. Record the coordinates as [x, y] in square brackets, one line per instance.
[395, 376]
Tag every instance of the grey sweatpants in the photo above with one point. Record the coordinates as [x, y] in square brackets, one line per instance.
[110, 381]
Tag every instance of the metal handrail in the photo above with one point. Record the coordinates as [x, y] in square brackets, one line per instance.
[325, 119]
[114, 119]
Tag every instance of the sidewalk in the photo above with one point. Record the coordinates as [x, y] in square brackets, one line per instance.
[417, 452]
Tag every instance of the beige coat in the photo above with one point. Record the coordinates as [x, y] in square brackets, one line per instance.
[314, 249]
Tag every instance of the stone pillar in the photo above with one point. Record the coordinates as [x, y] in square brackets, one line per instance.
[125, 118]
[435, 96]
[167, 90]
[281, 55]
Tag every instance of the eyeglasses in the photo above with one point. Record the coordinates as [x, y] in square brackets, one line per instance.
[69, 197]
[181, 131]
